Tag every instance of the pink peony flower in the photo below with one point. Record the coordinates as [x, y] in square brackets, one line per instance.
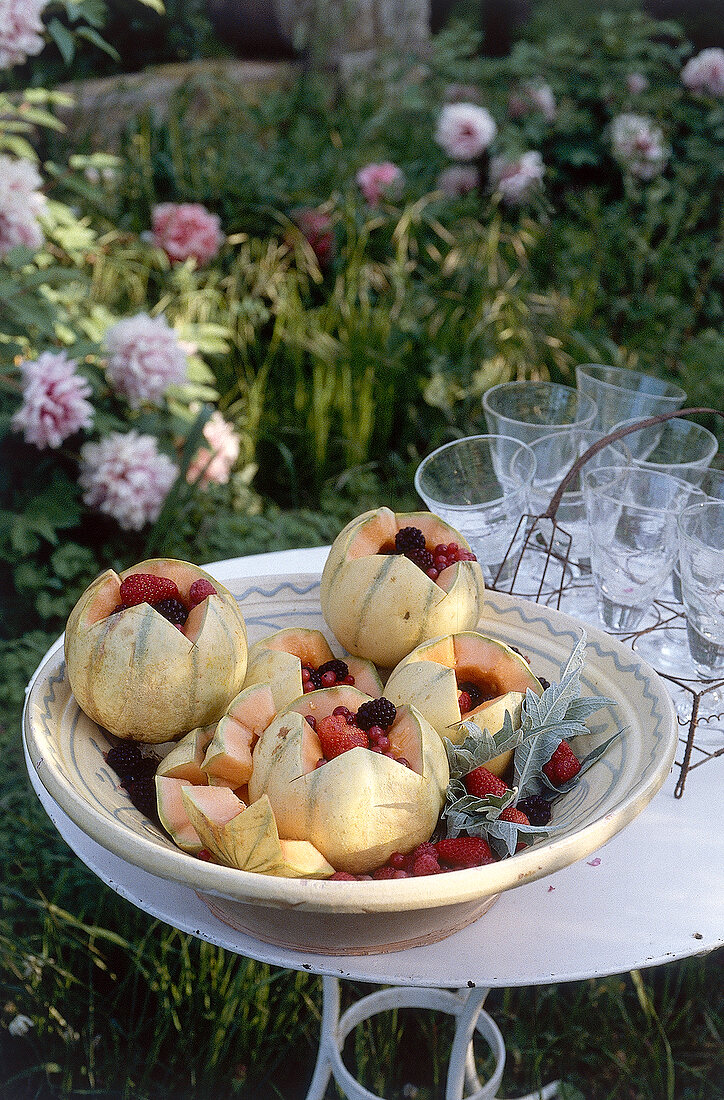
[639, 145]
[20, 203]
[532, 98]
[126, 477]
[458, 180]
[317, 228]
[705, 72]
[186, 229]
[465, 130]
[517, 179]
[215, 462]
[144, 358]
[21, 30]
[379, 181]
[55, 403]
[636, 83]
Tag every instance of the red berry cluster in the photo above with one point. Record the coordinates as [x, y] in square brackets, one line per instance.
[450, 854]
[163, 595]
[327, 675]
[469, 695]
[411, 542]
[342, 730]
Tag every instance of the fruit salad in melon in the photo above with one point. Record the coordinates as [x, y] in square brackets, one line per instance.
[155, 651]
[393, 580]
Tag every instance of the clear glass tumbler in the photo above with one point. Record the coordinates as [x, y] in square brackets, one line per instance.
[633, 538]
[622, 394]
[677, 447]
[529, 410]
[480, 485]
[701, 553]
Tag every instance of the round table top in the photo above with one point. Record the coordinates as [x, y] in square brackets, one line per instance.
[654, 893]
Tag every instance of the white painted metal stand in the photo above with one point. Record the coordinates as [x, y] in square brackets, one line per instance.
[466, 1005]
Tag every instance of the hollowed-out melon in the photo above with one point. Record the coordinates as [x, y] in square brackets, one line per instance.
[430, 676]
[141, 677]
[360, 807]
[380, 605]
[278, 659]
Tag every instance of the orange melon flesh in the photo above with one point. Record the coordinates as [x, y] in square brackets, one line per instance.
[218, 804]
[253, 708]
[105, 599]
[366, 676]
[405, 739]
[185, 758]
[483, 661]
[310, 646]
[172, 813]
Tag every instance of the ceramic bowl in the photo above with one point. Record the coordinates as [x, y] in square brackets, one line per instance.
[66, 749]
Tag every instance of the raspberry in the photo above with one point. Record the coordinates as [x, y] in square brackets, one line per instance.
[465, 851]
[199, 590]
[482, 782]
[342, 876]
[377, 712]
[124, 758]
[563, 765]
[173, 610]
[339, 668]
[473, 691]
[142, 793]
[426, 864]
[514, 815]
[536, 808]
[423, 559]
[384, 872]
[146, 588]
[465, 702]
[409, 538]
[336, 736]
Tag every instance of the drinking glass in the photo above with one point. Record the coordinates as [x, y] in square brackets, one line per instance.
[480, 485]
[529, 410]
[622, 394]
[554, 455]
[701, 553]
[678, 447]
[633, 538]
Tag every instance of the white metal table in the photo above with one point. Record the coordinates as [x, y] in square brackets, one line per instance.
[653, 894]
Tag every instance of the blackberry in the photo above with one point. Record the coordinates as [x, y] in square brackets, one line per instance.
[421, 558]
[409, 538]
[142, 793]
[536, 808]
[315, 678]
[124, 758]
[339, 668]
[378, 712]
[543, 682]
[173, 610]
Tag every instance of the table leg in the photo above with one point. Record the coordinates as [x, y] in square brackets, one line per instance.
[467, 1007]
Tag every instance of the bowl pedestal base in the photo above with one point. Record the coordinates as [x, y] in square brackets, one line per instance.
[347, 933]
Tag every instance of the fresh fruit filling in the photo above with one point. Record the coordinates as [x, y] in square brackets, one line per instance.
[411, 542]
[343, 730]
[327, 675]
[163, 596]
[428, 858]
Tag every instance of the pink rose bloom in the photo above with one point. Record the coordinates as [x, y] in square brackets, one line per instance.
[532, 98]
[215, 462]
[379, 181]
[639, 145]
[517, 179]
[636, 83]
[55, 403]
[144, 358]
[186, 229]
[705, 72]
[458, 180]
[126, 477]
[21, 30]
[317, 228]
[465, 130]
[20, 204]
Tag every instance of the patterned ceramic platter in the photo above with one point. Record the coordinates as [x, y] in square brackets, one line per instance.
[66, 749]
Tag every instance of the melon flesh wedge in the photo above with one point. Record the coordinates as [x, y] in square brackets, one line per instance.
[228, 756]
[300, 859]
[184, 759]
[366, 676]
[173, 815]
[246, 839]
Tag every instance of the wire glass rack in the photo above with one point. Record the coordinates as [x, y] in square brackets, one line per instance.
[538, 566]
